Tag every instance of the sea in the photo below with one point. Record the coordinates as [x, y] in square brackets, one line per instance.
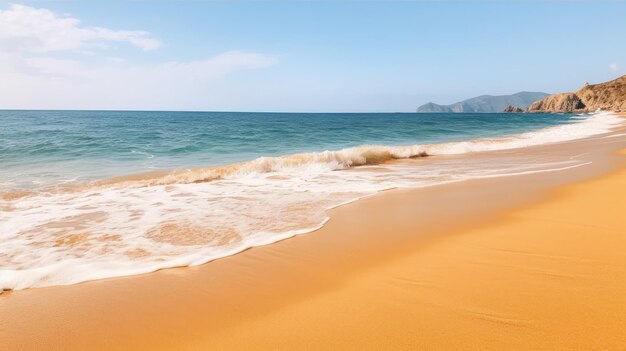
[88, 195]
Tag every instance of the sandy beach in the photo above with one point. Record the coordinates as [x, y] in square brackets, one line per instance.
[312, 175]
[534, 261]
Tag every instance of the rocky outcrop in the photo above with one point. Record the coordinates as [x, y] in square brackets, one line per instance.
[566, 102]
[513, 109]
[610, 96]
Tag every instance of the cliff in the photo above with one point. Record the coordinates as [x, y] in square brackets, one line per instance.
[485, 103]
[609, 96]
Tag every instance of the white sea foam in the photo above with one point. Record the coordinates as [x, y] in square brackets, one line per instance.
[190, 217]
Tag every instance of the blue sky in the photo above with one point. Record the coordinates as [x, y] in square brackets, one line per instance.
[300, 56]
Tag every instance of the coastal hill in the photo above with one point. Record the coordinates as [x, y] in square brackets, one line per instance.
[486, 103]
[606, 96]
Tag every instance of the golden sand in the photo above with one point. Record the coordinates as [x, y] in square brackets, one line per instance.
[549, 276]
[462, 266]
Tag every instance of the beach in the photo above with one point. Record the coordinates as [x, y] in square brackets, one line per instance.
[312, 175]
[529, 261]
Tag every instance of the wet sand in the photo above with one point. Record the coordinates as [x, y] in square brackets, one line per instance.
[534, 261]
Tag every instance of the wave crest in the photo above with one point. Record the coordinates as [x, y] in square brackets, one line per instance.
[327, 160]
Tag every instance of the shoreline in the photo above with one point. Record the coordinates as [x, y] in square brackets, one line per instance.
[291, 288]
[477, 158]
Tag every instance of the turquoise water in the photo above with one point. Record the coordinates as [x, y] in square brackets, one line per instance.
[42, 148]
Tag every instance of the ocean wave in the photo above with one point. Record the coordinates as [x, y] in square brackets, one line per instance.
[145, 222]
[592, 124]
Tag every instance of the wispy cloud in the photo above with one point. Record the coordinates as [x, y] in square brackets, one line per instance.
[24, 28]
[46, 68]
[43, 64]
[614, 67]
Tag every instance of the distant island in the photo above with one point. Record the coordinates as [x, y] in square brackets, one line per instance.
[486, 103]
[610, 96]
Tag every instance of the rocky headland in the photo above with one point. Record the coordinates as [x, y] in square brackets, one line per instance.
[608, 96]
